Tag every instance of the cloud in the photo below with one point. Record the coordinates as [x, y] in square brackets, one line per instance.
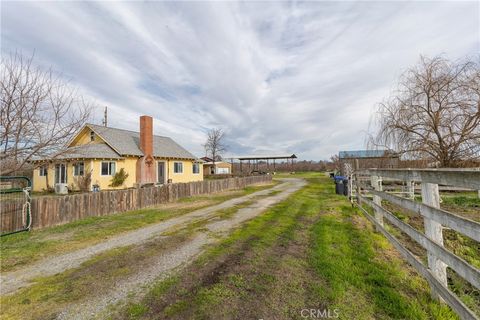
[299, 77]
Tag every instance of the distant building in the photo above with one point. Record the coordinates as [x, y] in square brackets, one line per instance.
[220, 167]
[369, 159]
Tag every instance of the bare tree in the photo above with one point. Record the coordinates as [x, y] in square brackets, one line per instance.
[335, 160]
[214, 146]
[434, 114]
[39, 113]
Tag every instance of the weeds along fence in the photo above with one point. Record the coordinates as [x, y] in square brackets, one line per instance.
[56, 210]
[368, 185]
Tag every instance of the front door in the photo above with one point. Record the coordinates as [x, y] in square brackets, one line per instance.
[60, 173]
[161, 172]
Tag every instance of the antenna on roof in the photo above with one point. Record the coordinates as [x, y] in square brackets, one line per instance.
[104, 121]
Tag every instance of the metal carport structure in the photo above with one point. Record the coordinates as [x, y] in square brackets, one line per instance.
[256, 158]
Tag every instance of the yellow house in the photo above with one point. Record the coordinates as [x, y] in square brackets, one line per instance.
[97, 153]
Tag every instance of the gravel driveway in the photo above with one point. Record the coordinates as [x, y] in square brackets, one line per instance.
[12, 281]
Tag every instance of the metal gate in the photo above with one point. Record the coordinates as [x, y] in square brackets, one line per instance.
[15, 200]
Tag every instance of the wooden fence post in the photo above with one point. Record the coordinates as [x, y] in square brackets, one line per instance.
[411, 189]
[357, 181]
[376, 182]
[433, 230]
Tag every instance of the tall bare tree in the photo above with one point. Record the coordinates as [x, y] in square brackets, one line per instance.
[214, 146]
[434, 113]
[39, 112]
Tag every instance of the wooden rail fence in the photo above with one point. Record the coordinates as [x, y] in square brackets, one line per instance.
[55, 210]
[435, 219]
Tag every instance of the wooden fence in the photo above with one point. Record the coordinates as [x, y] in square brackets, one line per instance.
[12, 217]
[55, 210]
[435, 219]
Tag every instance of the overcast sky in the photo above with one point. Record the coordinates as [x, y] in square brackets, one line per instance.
[277, 77]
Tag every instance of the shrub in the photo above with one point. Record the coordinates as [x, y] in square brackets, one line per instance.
[119, 178]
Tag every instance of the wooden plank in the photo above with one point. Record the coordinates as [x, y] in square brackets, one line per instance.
[463, 225]
[466, 178]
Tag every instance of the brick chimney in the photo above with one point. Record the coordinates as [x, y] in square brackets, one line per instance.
[146, 171]
[146, 135]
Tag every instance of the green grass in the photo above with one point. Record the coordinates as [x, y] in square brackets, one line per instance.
[464, 199]
[347, 258]
[21, 249]
[310, 251]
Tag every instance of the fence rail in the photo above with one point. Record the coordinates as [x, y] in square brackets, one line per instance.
[55, 210]
[434, 220]
[465, 178]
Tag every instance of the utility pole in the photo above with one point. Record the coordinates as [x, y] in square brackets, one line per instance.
[104, 121]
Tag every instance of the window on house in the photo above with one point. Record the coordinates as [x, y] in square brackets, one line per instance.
[92, 136]
[196, 168]
[78, 169]
[108, 168]
[178, 167]
[42, 171]
[61, 173]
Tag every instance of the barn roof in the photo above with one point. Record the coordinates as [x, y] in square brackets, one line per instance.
[365, 154]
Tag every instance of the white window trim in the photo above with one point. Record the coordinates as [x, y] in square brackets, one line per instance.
[107, 175]
[198, 164]
[174, 167]
[74, 166]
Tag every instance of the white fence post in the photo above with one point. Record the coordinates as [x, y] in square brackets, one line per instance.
[433, 230]
[377, 185]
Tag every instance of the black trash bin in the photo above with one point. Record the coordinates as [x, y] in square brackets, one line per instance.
[339, 186]
[345, 187]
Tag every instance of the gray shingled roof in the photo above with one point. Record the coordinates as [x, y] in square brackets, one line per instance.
[84, 151]
[90, 151]
[127, 143]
